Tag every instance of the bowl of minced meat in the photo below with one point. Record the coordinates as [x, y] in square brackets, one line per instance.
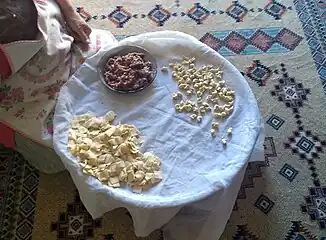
[127, 69]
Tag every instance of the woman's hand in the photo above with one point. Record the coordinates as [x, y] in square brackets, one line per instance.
[77, 27]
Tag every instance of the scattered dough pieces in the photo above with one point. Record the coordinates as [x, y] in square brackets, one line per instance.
[215, 125]
[205, 84]
[177, 96]
[213, 132]
[164, 69]
[230, 131]
[111, 153]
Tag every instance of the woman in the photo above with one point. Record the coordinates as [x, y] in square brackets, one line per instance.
[37, 56]
[19, 21]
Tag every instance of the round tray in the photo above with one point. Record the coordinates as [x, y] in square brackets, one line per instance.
[120, 51]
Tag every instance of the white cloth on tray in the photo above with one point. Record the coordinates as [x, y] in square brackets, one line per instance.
[195, 166]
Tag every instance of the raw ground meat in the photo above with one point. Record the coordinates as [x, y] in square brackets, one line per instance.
[128, 72]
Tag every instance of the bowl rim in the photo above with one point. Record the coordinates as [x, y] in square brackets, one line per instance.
[108, 54]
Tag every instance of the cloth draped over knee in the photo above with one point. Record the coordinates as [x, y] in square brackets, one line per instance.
[28, 95]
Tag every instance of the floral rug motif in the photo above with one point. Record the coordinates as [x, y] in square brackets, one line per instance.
[280, 48]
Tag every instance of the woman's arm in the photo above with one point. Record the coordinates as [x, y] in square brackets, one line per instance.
[80, 30]
[66, 6]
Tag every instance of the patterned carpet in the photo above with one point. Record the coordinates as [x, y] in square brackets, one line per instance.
[280, 48]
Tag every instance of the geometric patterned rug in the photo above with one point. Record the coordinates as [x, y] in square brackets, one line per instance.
[280, 48]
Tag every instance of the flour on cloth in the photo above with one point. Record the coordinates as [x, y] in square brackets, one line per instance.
[195, 166]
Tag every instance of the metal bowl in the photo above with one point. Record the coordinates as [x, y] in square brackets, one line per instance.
[120, 51]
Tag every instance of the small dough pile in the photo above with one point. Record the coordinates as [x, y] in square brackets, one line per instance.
[206, 84]
[111, 152]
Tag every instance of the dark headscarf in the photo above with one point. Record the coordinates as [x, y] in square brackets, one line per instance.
[18, 20]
